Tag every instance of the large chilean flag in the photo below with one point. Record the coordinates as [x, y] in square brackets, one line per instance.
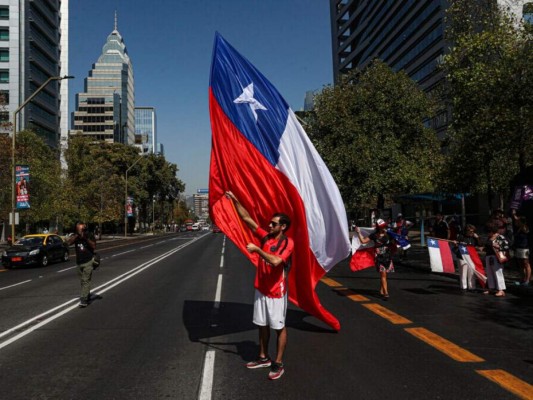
[262, 154]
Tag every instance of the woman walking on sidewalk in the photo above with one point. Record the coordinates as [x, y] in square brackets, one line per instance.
[384, 244]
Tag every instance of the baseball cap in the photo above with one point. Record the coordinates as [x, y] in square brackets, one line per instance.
[381, 223]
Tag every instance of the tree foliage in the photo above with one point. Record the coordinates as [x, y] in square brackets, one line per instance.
[489, 73]
[369, 129]
[95, 188]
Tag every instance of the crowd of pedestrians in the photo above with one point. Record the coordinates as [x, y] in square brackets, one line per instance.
[507, 242]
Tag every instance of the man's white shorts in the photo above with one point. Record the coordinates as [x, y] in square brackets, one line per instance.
[270, 311]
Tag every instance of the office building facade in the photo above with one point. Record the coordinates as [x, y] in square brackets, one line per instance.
[407, 35]
[146, 129]
[33, 48]
[106, 109]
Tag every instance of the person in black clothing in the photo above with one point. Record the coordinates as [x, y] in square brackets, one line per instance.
[85, 246]
[521, 247]
[440, 228]
[384, 244]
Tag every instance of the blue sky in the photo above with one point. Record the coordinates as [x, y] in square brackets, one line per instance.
[170, 44]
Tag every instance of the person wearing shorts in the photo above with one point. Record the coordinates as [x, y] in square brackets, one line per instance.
[270, 302]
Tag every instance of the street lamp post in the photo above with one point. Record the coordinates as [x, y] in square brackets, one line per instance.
[13, 146]
[126, 197]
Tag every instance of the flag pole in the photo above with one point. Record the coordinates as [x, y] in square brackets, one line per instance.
[245, 234]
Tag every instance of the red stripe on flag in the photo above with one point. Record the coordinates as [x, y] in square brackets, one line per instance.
[446, 256]
[238, 166]
[474, 256]
[362, 258]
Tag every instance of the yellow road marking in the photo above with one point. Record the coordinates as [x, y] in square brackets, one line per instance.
[350, 294]
[357, 297]
[3, 270]
[387, 314]
[509, 382]
[443, 345]
[331, 282]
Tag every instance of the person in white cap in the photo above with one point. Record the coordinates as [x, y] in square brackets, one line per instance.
[384, 244]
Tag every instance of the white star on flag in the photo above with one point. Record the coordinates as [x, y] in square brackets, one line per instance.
[247, 96]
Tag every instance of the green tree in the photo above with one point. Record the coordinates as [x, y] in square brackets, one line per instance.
[45, 177]
[489, 79]
[95, 183]
[369, 129]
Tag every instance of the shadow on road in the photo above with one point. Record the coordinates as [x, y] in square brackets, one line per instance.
[203, 321]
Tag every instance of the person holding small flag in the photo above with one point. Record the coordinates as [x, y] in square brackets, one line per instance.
[384, 244]
[467, 277]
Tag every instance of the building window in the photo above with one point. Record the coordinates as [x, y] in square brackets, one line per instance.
[4, 96]
[4, 55]
[4, 12]
[4, 34]
[4, 76]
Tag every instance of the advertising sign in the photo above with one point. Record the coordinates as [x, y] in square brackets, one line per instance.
[129, 207]
[22, 179]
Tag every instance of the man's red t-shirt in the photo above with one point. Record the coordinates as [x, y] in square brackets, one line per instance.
[270, 280]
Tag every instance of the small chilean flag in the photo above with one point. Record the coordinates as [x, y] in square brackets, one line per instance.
[440, 256]
[470, 255]
[262, 154]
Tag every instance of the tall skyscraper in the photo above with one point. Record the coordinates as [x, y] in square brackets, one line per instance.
[146, 128]
[106, 109]
[406, 35]
[33, 48]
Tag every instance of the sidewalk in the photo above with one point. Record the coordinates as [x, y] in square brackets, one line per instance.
[418, 258]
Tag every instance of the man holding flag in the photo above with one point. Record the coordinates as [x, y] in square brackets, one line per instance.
[270, 303]
[262, 154]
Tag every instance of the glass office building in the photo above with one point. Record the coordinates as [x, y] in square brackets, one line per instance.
[146, 128]
[33, 48]
[407, 35]
[106, 109]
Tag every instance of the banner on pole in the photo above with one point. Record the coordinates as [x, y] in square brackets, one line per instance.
[22, 179]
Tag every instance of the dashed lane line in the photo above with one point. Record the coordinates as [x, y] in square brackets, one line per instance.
[509, 382]
[444, 345]
[389, 315]
[16, 284]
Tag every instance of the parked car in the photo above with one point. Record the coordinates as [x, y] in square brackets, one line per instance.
[216, 229]
[38, 249]
[183, 228]
[195, 227]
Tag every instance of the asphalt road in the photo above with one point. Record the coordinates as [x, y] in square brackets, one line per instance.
[173, 320]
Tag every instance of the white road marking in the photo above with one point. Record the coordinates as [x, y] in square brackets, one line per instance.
[104, 288]
[206, 388]
[124, 252]
[16, 284]
[219, 291]
[66, 269]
